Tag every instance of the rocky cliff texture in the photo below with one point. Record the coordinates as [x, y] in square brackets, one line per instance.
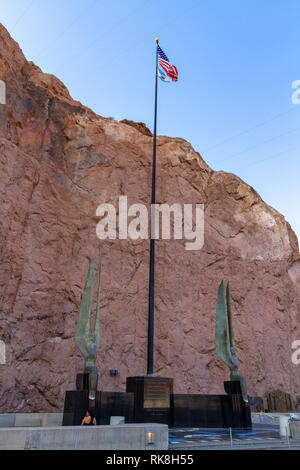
[59, 161]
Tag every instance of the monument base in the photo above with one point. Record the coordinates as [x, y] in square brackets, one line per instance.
[233, 387]
[241, 408]
[208, 411]
[152, 399]
[106, 404]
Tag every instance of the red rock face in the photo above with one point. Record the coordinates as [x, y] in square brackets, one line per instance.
[59, 161]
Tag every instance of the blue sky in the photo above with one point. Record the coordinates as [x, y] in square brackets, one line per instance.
[236, 61]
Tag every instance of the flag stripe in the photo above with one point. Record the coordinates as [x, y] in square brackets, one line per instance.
[165, 65]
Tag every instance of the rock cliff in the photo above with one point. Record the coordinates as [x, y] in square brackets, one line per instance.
[59, 161]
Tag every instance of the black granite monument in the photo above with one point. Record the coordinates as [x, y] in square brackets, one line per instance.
[105, 404]
[152, 399]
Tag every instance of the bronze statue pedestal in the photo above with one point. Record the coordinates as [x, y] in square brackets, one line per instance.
[105, 404]
[82, 381]
[240, 407]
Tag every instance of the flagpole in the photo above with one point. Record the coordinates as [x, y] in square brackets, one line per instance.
[150, 356]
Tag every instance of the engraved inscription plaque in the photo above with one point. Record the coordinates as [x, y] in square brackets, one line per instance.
[156, 395]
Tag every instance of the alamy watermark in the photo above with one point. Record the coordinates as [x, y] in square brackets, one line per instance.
[296, 93]
[133, 222]
[296, 354]
[2, 92]
[2, 353]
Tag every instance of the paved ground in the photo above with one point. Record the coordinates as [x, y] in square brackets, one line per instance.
[258, 438]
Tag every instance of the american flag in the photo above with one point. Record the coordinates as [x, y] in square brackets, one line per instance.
[165, 68]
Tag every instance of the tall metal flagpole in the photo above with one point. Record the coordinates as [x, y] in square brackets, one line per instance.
[150, 356]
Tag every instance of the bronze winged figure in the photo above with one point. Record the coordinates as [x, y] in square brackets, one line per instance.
[88, 341]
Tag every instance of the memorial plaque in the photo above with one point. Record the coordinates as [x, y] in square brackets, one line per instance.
[279, 401]
[151, 398]
[156, 395]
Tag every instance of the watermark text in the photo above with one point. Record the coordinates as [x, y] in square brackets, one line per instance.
[2, 92]
[182, 222]
[296, 93]
[296, 354]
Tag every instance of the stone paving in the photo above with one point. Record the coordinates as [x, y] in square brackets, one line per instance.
[257, 438]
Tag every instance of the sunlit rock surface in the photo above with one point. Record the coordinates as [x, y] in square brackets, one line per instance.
[59, 161]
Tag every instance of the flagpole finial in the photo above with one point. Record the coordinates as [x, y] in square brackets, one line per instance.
[157, 40]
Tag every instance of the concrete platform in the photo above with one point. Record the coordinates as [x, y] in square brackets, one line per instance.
[120, 437]
[30, 420]
[269, 418]
[257, 438]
